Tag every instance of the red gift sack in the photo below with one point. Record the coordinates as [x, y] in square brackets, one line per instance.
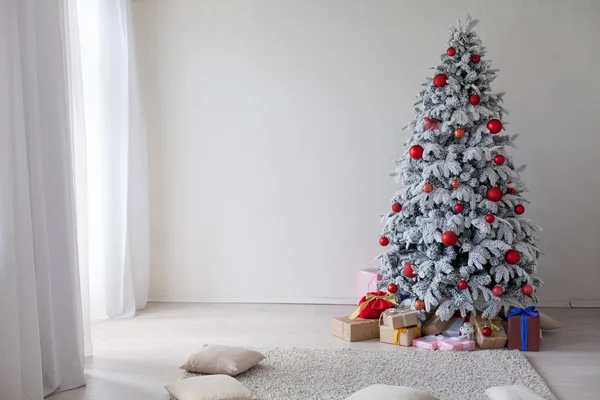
[373, 304]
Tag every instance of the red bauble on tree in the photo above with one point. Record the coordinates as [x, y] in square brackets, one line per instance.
[392, 288]
[494, 194]
[440, 80]
[499, 159]
[449, 238]
[427, 187]
[451, 51]
[486, 331]
[409, 271]
[490, 218]
[498, 291]
[416, 151]
[519, 209]
[419, 305]
[384, 241]
[494, 125]
[459, 208]
[459, 133]
[475, 58]
[396, 207]
[474, 99]
[462, 284]
[527, 290]
[512, 256]
[511, 190]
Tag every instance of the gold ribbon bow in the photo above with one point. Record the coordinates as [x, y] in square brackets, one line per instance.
[392, 298]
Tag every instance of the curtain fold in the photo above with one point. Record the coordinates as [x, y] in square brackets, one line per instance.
[41, 341]
[109, 159]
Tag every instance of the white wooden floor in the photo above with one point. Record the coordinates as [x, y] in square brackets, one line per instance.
[134, 358]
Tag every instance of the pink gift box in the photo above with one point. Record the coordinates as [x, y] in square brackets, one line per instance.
[367, 281]
[430, 342]
[456, 344]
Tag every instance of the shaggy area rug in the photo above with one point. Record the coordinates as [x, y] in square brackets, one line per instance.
[334, 374]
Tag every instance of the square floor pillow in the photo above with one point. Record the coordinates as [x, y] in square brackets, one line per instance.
[391, 393]
[210, 387]
[224, 360]
[514, 392]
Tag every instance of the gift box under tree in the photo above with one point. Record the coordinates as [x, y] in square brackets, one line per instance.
[489, 334]
[524, 329]
[401, 336]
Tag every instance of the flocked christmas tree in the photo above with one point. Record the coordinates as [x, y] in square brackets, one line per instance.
[455, 236]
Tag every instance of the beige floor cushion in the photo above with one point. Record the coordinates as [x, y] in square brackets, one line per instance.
[515, 392]
[210, 387]
[225, 360]
[391, 393]
[547, 323]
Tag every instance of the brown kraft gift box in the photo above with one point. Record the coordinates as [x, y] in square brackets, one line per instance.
[354, 330]
[498, 338]
[400, 336]
[434, 326]
[399, 318]
[533, 333]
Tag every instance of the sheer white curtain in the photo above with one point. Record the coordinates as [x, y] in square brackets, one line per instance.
[41, 348]
[110, 164]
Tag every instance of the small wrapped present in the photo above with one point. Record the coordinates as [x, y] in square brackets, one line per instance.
[430, 342]
[398, 318]
[453, 327]
[367, 281]
[496, 340]
[373, 304]
[523, 329]
[401, 336]
[434, 326]
[354, 330]
[457, 344]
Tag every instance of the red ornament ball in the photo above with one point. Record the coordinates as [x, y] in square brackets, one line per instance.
[449, 238]
[490, 218]
[392, 288]
[396, 207]
[474, 99]
[416, 151]
[440, 80]
[519, 209]
[409, 271]
[499, 159]
[494, 125]
[427, 187]
[494, 193]
[486, 331]
[384, 241]
[527, 290]
[475, 58]
[512, 256]
[511, 190]
[459, 208]
[419, 305]
[451, 51]
[459, 133]
[498, 291]
[462, 284]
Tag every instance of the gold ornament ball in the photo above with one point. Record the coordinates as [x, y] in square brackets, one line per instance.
[455, 183]
[428, 187]
[459, 133]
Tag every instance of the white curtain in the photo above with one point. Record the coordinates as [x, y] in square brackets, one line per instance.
[109, 157]
[41, 347]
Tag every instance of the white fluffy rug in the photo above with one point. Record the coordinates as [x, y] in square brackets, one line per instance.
[334, 374]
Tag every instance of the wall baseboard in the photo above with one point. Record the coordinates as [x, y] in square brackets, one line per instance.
[330, 301]
[585, 303]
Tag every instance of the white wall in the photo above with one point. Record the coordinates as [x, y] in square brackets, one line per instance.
[273, 124]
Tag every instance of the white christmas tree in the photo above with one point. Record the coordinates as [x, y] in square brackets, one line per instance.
[455, 236]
